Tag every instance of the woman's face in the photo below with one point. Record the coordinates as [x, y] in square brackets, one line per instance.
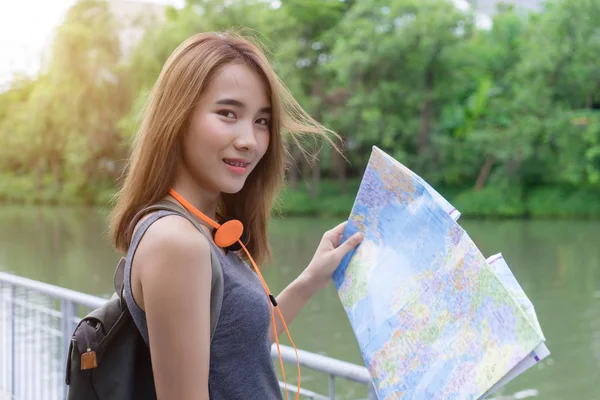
[229, 130]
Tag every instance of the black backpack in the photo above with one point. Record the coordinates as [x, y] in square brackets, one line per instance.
[108, 358]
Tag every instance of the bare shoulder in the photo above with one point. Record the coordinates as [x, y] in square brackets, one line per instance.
[172, 234]
[172, 256]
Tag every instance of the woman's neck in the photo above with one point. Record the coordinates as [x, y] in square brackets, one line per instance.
[206, 202]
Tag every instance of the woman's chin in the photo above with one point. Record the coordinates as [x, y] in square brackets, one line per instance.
[232, 188]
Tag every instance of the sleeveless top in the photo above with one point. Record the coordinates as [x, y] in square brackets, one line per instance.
[241, 366]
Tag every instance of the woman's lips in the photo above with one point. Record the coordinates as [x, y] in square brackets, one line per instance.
[236, 165]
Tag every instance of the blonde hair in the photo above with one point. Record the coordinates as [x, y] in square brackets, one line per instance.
[155, 153]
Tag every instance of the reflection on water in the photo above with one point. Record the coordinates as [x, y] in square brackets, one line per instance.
[556, 262]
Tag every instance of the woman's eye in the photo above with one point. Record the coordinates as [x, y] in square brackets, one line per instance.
[263, 121]
[227, 113]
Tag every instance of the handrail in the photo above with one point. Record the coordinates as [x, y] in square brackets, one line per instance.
[328, 365]
[52, 290]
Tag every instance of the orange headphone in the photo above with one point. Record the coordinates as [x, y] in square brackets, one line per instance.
[230, 235]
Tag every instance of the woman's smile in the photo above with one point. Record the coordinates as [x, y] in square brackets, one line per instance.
[237, 165]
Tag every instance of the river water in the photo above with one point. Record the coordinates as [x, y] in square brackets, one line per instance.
[556, 262]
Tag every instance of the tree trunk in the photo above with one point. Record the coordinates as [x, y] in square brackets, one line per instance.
[338, 164]
[317, 91]
[55, 168]
[513, 167]
[293, 169]
[426, 112]
[566, 59]
[39, 174]
[316, 180]
[484, 173]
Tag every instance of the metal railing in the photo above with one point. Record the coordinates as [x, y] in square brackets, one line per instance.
[36, 323]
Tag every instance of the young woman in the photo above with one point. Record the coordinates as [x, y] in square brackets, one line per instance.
[212, 137]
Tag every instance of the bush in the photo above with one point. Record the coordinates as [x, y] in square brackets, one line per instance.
[331, 200]
[17, 189]
[564, 203]
[490, 202]
[26, 189]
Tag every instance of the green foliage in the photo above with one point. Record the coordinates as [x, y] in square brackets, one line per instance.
[333, 200]
[491, 202]
[506, 120]
[564, 203]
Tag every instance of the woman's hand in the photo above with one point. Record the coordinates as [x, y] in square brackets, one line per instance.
[328, 256]
[316, 276]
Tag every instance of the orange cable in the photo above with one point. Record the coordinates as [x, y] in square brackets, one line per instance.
[275, 326]
[193, 209]
[294, 346]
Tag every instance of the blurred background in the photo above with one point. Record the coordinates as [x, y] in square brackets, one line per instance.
[495, 103]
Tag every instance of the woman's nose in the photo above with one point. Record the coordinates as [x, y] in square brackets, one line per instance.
[246, 138]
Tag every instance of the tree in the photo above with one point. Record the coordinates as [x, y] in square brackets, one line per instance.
[398, 62]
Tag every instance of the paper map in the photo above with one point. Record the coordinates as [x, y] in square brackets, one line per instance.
[433, 317]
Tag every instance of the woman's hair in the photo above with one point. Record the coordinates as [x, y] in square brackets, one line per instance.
[185, 76]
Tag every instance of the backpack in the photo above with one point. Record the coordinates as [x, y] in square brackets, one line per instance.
[108, 358]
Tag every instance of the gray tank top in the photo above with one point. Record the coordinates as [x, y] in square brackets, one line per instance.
[241, 366]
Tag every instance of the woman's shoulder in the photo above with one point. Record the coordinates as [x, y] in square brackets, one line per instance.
[172, 241]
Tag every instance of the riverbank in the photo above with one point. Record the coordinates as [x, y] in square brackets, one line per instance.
[331, 199]
[489, 202]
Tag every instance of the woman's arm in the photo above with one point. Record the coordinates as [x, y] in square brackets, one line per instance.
[290, 301]
[315, 277]
[173, 266]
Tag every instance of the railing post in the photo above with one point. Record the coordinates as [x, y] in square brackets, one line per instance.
[372, 393]
[12, 295]
[67, 309]
[332, 387]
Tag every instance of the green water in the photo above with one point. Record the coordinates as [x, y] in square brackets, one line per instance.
[556, 262]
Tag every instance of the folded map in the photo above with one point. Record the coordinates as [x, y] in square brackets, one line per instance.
[433, 317]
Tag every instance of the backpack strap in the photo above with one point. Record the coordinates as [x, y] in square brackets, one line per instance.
[216, 296]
